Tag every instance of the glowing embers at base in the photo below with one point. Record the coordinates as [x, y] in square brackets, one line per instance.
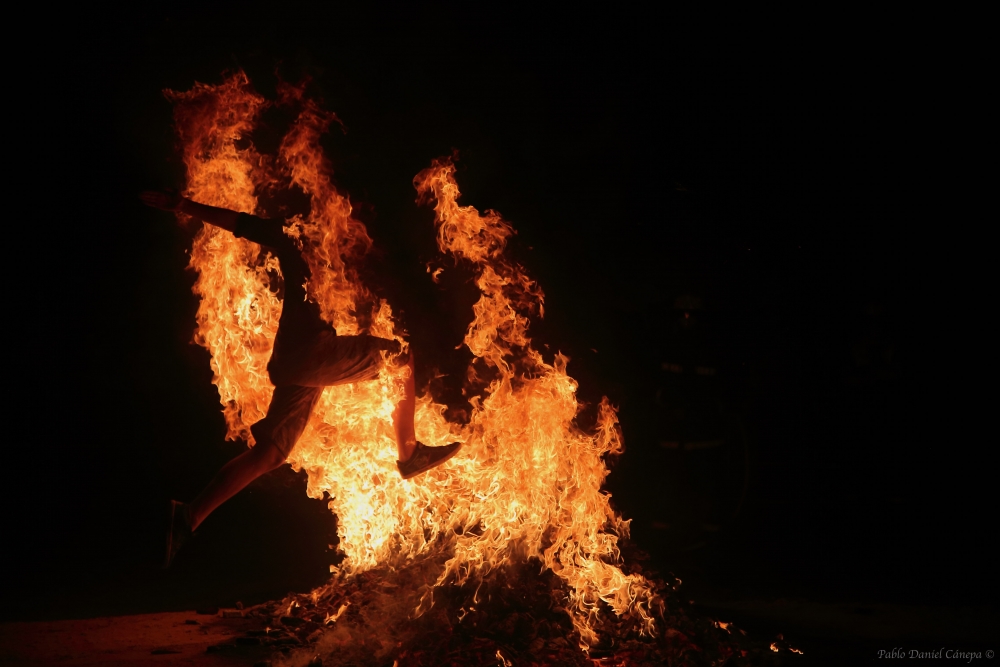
[527, 484]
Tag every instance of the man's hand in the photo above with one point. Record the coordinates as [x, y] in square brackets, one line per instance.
[166, 201]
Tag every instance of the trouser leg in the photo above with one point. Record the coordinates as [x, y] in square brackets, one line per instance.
[328, 360]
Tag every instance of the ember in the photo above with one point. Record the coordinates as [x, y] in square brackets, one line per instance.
[510, 553]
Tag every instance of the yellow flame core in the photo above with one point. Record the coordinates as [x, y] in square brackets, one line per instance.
[528, 481]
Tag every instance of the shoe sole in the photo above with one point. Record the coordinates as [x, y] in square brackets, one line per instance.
[433, 465]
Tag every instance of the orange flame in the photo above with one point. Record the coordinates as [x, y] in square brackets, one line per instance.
[528, 480]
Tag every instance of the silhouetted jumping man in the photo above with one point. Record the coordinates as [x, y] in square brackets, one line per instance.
[308, 355]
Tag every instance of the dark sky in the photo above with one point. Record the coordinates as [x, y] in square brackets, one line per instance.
[765, 174]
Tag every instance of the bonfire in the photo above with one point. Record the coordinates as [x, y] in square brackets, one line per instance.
[509, 555]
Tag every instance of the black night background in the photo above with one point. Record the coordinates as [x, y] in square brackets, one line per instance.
[727, 232]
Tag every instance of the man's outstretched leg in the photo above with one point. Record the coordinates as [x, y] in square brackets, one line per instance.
[229, 481]
[234, 476]
[414, 456]
[276, 435]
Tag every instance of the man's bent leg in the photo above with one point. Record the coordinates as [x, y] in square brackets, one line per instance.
[331, 360]
[402, 416]
[415, 457]
[233, 477]
[336, 360]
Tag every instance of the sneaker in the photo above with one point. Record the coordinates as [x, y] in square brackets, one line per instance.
[180, 530]
[424, 458]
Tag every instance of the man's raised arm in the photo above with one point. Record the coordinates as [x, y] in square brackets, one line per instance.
[220, 217]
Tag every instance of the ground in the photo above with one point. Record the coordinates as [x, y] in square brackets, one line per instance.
[169, 638]
[830, 634]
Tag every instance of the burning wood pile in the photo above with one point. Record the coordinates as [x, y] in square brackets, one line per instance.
[515, 616]
[508, 554]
